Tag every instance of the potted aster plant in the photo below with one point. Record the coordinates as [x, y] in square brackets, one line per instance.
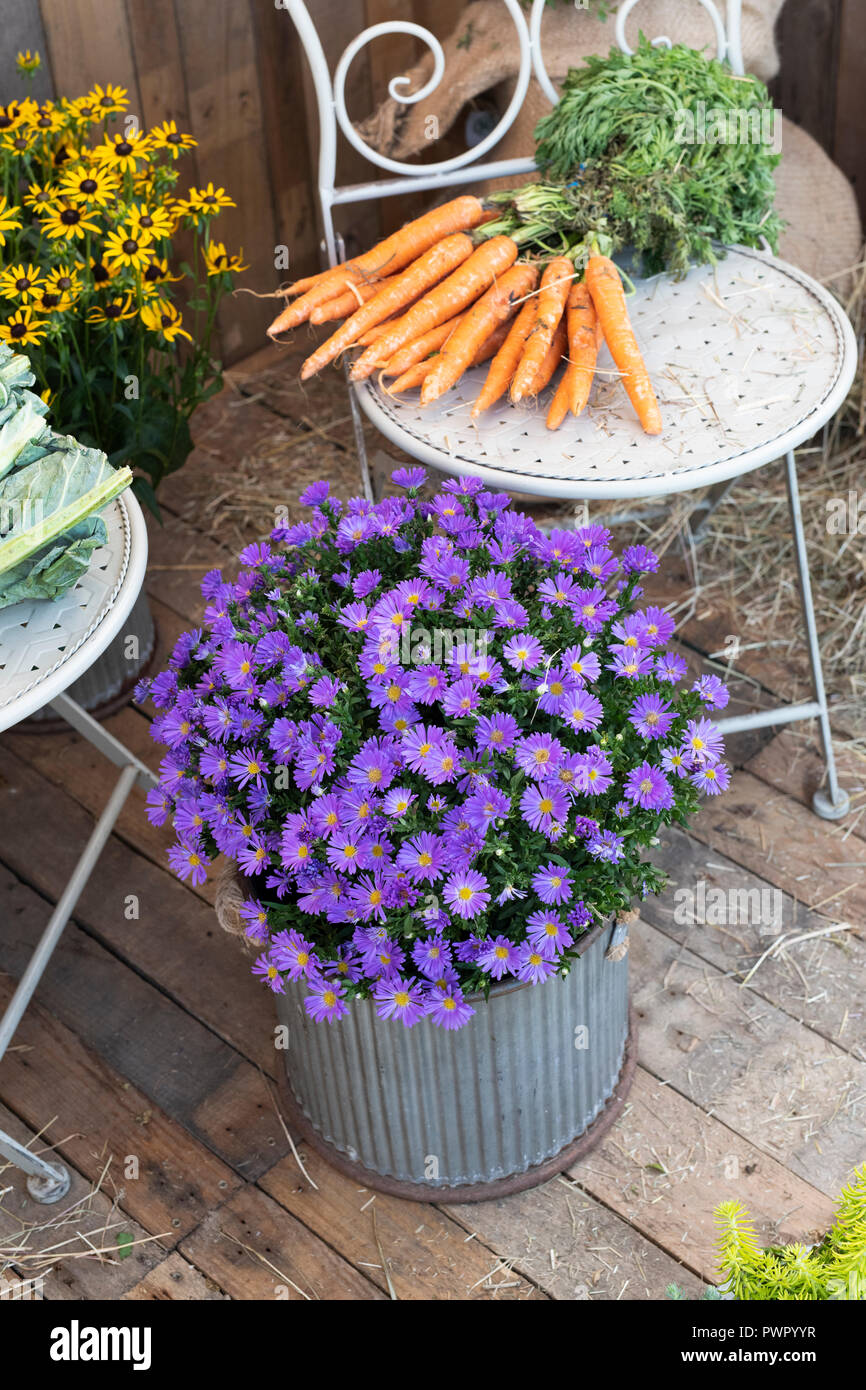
[436, 744]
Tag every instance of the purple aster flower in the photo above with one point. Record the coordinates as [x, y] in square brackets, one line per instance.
[189, 861]
[543, 807]
[412, 478]
[656, 626]
[629, 664]
[347, 851]
[671, 667]
[295, 955]
[466, 893]
[444, 764]
[315, 494]
[399, 998]
[496, 732]
[372, 768]
[592, 608]
[594, 773]
[486, 805]
[712, 691]
[582, 711]
[448, 1008]
[461, 698]
[638, 559]
[365, 583]
[367, 894]
[606, 846]
[431, 955]
[532, 966]
[397, 801]
[237, 664]
[523, 652]
[702, 742]
[498, 956]
[267, 971]
[427, 683]
[712, 778]
[325, 1000]
[247, 766]
[552, 884]
[649, 715]
[538, 755]
[648, 787]
[555, 690]
[675, 761]
[561, 590]
[422, 857]
[324, 692]
[583, 664]
[548, 933]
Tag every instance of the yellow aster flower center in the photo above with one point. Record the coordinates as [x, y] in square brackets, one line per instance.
[545, 805]
[401, 999]
[646, 785]
[329, 998]
[464, 894]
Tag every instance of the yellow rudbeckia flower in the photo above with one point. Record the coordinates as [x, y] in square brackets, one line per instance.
[209, 200]
[22, 328]
[8, 220]
[107, 99]
[123, 152]
[158, 221]
[68, 222]
[218, 260]
[161, 316]
[113, 310]
[22, 282]
[128, 246]
[168, 137]
[89, 183]
[28, 62]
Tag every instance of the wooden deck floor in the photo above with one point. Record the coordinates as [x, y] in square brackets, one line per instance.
[146, 1060]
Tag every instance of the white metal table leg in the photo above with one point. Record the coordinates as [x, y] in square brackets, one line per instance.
[832, 803]
[49, 1182]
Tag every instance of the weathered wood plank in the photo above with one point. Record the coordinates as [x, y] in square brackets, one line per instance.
[666, 1165]
[793, 763]
[428, 1254]
[253, 1249]
[175, 1280]
[572, 1246]
[819, 983]
[184, 1067]
[791, 1093]
[49, 1072]
[89, 41]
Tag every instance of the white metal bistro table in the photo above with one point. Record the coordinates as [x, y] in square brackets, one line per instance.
[44, 647]
[750, 357]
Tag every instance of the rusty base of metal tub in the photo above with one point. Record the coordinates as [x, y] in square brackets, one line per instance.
[479, 1191]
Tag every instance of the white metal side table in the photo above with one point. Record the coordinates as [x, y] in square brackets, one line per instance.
[44, 647]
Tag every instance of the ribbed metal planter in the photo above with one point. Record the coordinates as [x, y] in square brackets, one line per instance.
[109, 682]
[531, 1082]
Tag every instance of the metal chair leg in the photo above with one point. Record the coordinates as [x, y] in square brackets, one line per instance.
[357, 422]
[832, 803]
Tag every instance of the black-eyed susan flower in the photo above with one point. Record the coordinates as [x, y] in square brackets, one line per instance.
[46, 118]
[85, 109]
[159, 273]
[108, 99]
[161, 316]
[65, 152]
[123, 152]
[218, 260]
[65, 281]
[113, 310]
[168, 137]
[41, 199]
[8, 220]
[18, 141]
[69, 222]
[22, 282]
[128, 247]
[91, 184]
[209, 200]
[22, 328]
[28, 62]
[159, 221]
[11, 116]
[101, 272]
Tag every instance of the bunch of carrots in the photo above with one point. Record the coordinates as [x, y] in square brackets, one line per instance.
[427, 303]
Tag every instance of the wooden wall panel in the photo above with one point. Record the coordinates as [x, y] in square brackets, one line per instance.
[849, 144]
[89, 41]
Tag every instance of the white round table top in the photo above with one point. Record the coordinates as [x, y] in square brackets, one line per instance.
[46, 645]
[748, 358]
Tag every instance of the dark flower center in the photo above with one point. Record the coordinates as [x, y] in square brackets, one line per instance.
[153, 272]
[44, 122]
[174, 136]
[64, 282]
[209, 198]
[130, 247]
[22, 284]
[50, 301]
[20, 142]
[123, 147]
[114, 311]
[106, 101]
[100, 274]
[166, 320]
[86, 110]
[69, 216]
[5, 122]
[18, 330]
[146, 220]
[88, 185]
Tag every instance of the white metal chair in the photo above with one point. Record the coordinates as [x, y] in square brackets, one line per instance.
[752, 356]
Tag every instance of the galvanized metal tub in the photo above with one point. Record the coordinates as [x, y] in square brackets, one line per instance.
[517, 1095]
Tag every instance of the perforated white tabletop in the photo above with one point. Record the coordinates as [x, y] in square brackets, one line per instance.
[749, 358]
[45, 646]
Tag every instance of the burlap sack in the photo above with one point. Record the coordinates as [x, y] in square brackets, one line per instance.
[229, 900]
[814, 197]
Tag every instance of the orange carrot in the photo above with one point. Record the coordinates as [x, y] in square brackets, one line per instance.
[503, 365]
[461, 289]
[438, 261]
[345, 304]
[421, 348]
[494, 306]
[550, 307]
[583, 342]
[605, 286]
[417, 375]
[392, 254]
[551, 359]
